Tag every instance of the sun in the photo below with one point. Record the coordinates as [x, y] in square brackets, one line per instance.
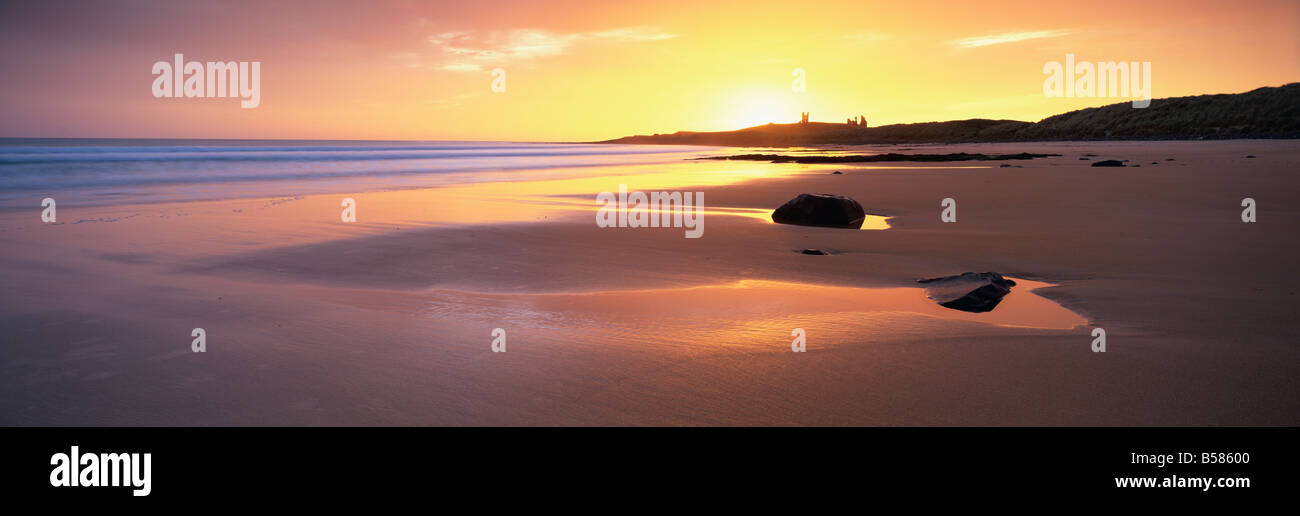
[757, 107]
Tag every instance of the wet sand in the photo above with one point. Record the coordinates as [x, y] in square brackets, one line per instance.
[388, 321]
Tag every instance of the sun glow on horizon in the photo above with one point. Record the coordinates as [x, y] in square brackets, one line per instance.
[759, 107]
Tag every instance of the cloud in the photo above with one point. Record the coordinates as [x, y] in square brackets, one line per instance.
[1007, 37]
[469, 51]
[461, 67]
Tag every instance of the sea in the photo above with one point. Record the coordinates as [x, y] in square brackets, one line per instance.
[122, 171]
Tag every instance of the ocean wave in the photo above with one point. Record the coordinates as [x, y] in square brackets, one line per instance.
[94, 167]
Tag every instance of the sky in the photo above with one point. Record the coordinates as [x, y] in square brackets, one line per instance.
[584, 70]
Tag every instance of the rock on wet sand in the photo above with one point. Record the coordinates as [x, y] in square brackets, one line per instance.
[826, 210]
[969, 291]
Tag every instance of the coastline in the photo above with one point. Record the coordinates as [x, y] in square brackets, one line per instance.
[1261, 113]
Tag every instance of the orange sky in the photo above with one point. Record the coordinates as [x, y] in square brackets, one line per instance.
[582, 70]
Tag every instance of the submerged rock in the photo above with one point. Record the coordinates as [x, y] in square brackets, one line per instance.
[969, 292]
[1109, 163]
[818, 252]
[825, 210]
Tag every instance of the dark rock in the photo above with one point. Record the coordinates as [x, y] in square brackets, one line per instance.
[1251, 156]
[818, 252]
[1169, 159]
[826, 210]
[1084, 159]
[836, 172]
[1005, 165]
[969, 292]
[875, 158]
[1109, 163]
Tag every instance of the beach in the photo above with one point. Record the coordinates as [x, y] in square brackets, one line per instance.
[389, 320]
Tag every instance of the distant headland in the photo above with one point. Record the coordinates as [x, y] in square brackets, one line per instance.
[1269, 112]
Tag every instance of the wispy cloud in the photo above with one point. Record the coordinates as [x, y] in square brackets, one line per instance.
[470, 51]
[1007, 37]
[461, 67]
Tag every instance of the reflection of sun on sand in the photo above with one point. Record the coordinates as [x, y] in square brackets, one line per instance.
[871, 222]
[761, 300]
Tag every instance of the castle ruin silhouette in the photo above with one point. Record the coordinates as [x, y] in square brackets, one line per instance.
[861, 121]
